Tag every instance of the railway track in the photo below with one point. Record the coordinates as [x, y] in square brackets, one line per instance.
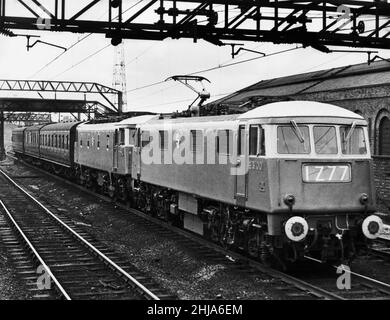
[292, 286]
[381, 249]
[361, 287]
[59, 259]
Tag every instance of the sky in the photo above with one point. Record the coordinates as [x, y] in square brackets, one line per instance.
[149, 62]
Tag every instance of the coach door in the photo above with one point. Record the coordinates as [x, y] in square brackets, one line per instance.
[241, 165]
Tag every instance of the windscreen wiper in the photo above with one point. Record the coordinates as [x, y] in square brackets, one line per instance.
[350, 132]
[297, 131]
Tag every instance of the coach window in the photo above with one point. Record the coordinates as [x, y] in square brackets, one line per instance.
[145, 138]
[132, 137]
[196, 141]
[163, 136]
[63, 142]
[108, 142]
[98, 141]
[121, 137]
[67, 142]
[87, 143]
[224, 142]
[384, 137]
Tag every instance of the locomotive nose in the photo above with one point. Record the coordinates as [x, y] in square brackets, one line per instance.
[372, 226]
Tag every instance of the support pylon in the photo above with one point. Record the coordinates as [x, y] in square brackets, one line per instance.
[119, 77]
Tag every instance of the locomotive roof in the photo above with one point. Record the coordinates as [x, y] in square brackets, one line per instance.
[137, 120]
[294, 109]
[230, 117]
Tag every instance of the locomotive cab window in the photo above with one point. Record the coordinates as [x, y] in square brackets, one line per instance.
[325, 140]
[256, 141]
[293, 139]
[353, 140]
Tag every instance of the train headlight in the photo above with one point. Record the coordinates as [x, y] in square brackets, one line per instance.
[372, 226]
[364, 199]
[296, 229]
[289, 200]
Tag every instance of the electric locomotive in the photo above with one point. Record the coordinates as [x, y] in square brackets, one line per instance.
[280, 181]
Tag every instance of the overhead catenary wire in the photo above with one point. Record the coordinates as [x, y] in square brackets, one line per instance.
[221, 66]
[184, 100]
[82, 61]
[77, 42]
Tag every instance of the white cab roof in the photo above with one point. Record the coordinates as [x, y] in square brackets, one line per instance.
[287, 109]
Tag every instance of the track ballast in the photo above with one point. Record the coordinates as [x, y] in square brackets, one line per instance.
[50, 252]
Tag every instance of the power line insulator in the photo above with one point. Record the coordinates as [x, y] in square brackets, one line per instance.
[361, 27]
[116, 41]
[115, 3]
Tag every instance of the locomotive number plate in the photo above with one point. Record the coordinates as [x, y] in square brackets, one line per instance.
[326, 173]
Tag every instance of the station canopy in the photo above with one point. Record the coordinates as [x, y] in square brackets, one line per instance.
[51, 105]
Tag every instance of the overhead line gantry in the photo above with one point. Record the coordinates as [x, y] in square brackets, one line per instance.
[311, 23]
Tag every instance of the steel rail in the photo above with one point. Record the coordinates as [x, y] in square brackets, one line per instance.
[297, 283]
[358, 275]
[52, 276]
[145, 290]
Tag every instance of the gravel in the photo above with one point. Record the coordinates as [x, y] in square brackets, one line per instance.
[171, 264]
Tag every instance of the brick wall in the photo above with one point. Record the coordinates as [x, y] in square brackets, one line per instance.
[382, 182]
